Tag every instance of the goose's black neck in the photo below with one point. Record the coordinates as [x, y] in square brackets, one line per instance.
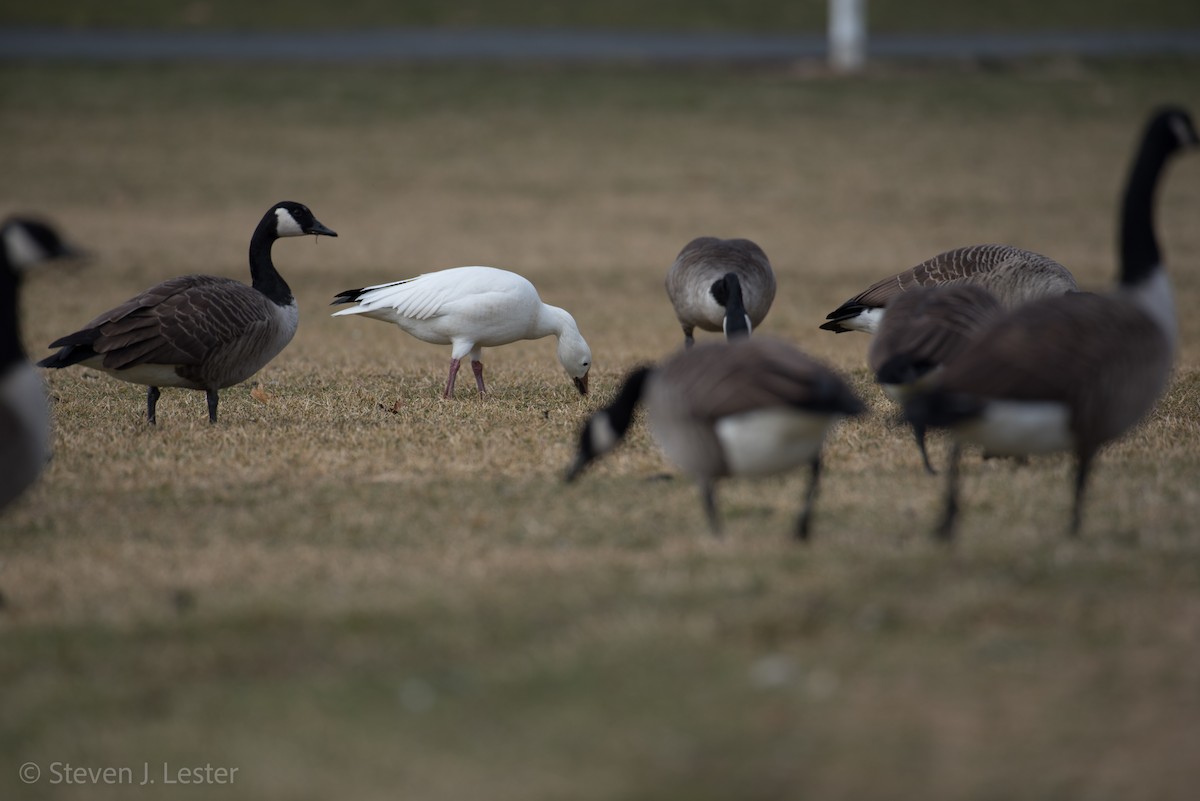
[607, 427]
[1140, 256]
[11, 350]
[620, 411]
[264, 277]
[727, 291]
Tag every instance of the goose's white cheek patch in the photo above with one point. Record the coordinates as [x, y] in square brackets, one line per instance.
[604, 436]
[23, 251]
[285, 223]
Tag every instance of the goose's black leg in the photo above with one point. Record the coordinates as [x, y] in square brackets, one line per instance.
[708, 495]
[919, 434]
[809, 499]
[152, 394]
[212, 396]
[945, 529]
[688, 339]
[1083, 467]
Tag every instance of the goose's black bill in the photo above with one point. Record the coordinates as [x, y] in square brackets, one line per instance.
[319, 230]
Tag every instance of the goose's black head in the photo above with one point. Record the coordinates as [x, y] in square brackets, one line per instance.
[1177, 126]
[28, 241]
[294, 219]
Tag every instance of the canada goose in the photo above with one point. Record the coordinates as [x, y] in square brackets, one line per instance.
[1076, 371]
[1013, 275]
[720, 285]
[746, 407]
[24, 417]
[472, 308]
[198, 331]
[924, 328]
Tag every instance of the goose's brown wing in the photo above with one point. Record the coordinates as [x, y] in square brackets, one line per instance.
[180, 322]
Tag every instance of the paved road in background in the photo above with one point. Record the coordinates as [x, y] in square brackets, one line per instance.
[530, 45]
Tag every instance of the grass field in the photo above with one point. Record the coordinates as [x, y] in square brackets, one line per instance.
[352, 589]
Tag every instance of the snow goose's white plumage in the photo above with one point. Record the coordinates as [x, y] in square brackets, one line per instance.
[471, 308]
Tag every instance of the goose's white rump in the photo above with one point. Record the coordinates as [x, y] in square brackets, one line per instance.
[471, 308]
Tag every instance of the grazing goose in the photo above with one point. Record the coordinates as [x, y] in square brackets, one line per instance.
[198, 331]
[24, 417]
[747, 407]
[924, 328]
[1073, 372]
[720, 285]
[472, 308]
[1013, 275]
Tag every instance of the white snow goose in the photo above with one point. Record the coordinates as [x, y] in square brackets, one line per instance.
[472, 308]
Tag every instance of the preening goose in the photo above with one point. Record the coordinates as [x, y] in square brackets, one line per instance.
[747, 407]
[1013, 275]
[925, 328]
[472, 308]
[720, 285]
[24, 417]
[198, 331]
[1077, 371]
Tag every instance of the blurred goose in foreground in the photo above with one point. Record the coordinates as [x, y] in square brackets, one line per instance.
[925, 328]
[749, 407]
[24, 416]
[472, 308]
[1077, 371]
[720, 285]
[1013, 275]
[198, 331]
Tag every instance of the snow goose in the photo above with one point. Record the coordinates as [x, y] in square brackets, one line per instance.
[720, 285]
[1074, 372]
[924, 328]
[24, 417]
[748, 407]
[1013, 275]
[198, 331]
[472, 308]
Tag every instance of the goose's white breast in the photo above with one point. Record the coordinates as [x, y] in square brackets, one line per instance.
[1016, 428]
[771, 440]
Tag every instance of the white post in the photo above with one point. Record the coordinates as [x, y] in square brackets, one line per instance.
[847, 34]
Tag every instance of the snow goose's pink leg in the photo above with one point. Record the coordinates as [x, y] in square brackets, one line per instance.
[477, 368]
[450, 381]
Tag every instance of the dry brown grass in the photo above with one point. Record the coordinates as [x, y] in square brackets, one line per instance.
[350, 601]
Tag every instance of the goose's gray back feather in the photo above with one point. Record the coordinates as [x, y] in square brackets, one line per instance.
[706, 259]
[1014, 275]
[214, 332]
